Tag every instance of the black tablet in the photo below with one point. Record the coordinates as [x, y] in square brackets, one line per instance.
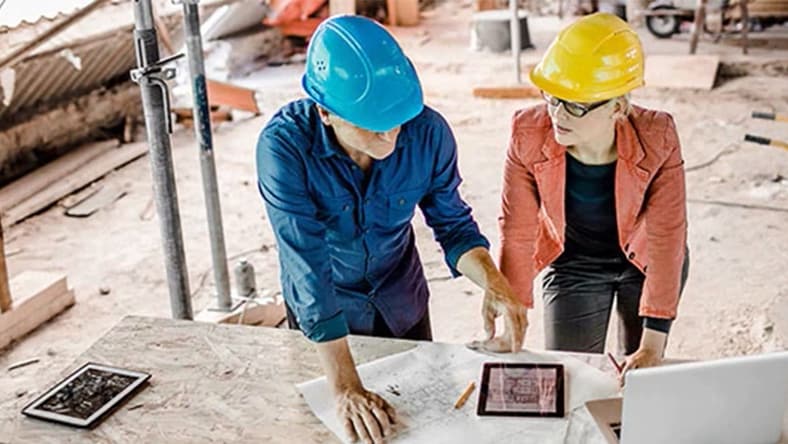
[514, 389]
[84, 397]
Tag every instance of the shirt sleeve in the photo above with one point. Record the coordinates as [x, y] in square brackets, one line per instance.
[307, 282]
[444, 209]
[661, 325]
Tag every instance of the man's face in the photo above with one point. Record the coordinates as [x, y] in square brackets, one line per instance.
[376, 145]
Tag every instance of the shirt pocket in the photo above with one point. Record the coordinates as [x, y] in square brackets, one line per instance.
[338, 213]
[401, 206]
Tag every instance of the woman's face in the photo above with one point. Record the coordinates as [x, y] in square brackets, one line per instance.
[598, 120]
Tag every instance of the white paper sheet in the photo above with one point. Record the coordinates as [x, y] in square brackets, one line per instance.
[422, 384]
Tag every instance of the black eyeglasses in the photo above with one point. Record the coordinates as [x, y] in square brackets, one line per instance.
[573, 108]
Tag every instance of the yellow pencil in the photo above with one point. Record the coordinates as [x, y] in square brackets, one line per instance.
[465, 395]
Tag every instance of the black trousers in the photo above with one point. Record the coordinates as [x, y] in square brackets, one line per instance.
[422, 331]
[578, 299]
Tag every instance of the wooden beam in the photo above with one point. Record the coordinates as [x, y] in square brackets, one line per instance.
[408, 12]
[391, 8]
[69, 124]
[80, 178]
[5, 292]
[484, 5]
[507, 92]
[300, 28]
[232, 96]
[39, 297]
[697, 28]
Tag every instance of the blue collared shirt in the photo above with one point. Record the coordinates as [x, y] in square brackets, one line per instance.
[346, 244]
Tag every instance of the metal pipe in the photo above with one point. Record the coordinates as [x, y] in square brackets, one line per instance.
[202, 130]
[155, 99]
[515, 31]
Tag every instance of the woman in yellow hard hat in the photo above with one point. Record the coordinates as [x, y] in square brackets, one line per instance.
[594, 193]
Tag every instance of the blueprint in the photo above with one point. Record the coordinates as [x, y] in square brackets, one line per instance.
[422, 384]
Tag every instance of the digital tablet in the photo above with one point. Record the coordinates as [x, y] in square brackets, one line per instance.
[514, 389]
[84, 397]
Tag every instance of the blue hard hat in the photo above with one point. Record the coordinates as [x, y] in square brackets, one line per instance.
[356, 70]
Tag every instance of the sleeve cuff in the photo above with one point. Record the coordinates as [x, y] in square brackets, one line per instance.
[661, 325]
[454, 255]
[329, 329]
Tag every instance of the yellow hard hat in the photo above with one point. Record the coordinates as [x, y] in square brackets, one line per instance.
[596, 58]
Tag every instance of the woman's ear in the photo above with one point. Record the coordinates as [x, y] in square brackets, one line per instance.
[621, 108]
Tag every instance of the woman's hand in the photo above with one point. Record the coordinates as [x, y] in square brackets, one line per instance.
[649, 354]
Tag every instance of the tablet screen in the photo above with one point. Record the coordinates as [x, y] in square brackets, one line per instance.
[509, 389]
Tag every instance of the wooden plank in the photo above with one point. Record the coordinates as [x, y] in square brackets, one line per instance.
[220, 93]
[484, 5]
[80, 178]
[407, 12]
[97, 201]
[391, 9]
[39, 297]
[300, 28]
[682, 71]
[206, 372]
[5, 291]
[31, 322]
[21, 189]
[265, 313]
[507, 92]
[337, 7]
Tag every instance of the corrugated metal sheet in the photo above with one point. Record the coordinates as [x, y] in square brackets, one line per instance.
[93, 51]
[54, 78]
[14, 13]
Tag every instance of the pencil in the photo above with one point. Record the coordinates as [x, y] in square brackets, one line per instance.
[465, 395]
[615, 363]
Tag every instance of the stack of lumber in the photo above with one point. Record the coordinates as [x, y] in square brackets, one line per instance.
[79, 168]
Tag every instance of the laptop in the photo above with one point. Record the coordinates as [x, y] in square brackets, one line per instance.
[728, 401]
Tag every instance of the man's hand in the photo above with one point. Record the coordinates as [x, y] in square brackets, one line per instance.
[649, 354]
[366, 416]
[499, 300]
[496, 304]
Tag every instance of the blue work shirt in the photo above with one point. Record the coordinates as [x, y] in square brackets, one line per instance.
[346, 244]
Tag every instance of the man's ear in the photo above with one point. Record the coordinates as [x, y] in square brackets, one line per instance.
[325, 116]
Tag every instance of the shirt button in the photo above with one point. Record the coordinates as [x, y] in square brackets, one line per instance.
[372, 258]
[345, 207]
[402, 201]
[645, 268]
[631, 255]
[626, 247]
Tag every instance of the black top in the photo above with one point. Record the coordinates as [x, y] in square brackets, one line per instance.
[591, 227]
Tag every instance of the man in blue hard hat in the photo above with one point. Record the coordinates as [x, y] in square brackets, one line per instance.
[341, 174]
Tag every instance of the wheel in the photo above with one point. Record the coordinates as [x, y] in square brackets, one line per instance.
[663, 26]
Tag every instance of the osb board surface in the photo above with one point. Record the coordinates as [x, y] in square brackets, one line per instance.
[210, 383]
